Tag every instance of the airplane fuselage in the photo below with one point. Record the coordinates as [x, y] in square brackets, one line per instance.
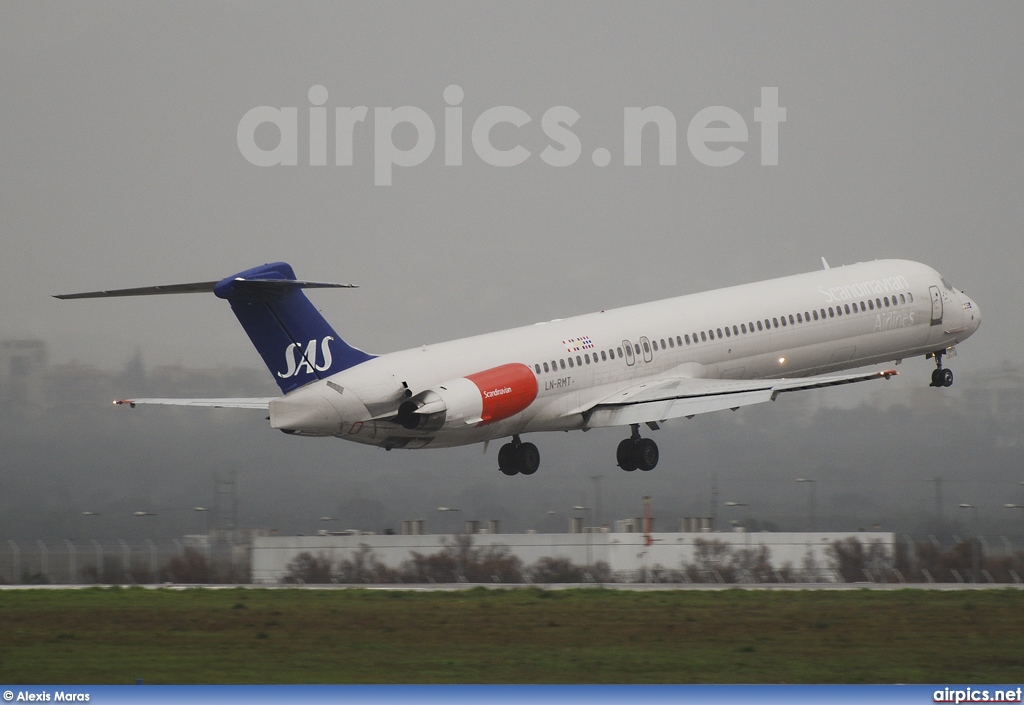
[548, 376]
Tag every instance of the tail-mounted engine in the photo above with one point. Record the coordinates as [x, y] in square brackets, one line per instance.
[474, 400]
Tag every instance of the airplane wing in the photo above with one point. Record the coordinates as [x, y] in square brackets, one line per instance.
[238, 403]
[658, 400]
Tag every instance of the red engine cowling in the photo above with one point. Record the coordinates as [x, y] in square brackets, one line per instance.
[477, 399]
[505, 390]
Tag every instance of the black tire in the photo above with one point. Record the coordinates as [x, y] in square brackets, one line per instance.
[646, 454]
[507, 460]
[624, 456]
[947, 378]
[527, 458]
[937, 377]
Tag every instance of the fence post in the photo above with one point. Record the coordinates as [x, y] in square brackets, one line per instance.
[44, 567]
[153, 560]
[15, 562]
[72, 572]
[99, 560]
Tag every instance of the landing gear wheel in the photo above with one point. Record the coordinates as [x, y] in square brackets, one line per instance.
[625, 456]
[527, 458]
[645, 454]
[518, 457]
[941, 377]
[507, 460]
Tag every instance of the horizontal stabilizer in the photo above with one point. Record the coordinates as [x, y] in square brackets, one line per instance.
[239, 403]
[254, 285]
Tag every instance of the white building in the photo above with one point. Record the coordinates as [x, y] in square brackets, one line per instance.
[628, 555]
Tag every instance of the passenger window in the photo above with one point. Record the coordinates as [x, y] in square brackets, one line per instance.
[776, 322]
[807, 317]
[815, 312]
[704, 337]
[759, 325]
[743, 328]
[799, 318]
[767, 325]
[831, 313]
[854, 306]
[910, 297]
[847, 308]
[687, 337]
[871, 304]
[886, 301]
[903, 299]
[751, 324]
[662, 343]
[679, 341]
[537, 367]
[735, 330]
[587, 358]
[637, 348]
[620, 352]
[562, 363]
[546, 367]
[791, 319]
[603, 356]
[783, 321]
[570, 363]
[579, 361]
[654, 344]
[647, 348]
[719, 333]
[878, 302]
[728, 333]
[823, 314]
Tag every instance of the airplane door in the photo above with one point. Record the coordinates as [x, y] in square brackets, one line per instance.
[628, 347]
[645, 344]
[936, 305]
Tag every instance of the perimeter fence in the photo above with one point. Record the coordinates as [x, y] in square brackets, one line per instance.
[981, 559]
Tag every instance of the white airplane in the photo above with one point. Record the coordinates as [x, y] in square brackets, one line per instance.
[636, 365]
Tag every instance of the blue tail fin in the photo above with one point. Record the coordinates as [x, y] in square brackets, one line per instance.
[294, 340]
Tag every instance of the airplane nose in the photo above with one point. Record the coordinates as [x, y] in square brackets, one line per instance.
[972, 312]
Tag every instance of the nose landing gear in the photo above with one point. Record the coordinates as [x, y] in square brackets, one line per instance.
[636, 453]
[941, 376]
[517, 457]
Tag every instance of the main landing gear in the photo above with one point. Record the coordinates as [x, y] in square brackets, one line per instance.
[518, 457]
[941, 377]
[637, 453]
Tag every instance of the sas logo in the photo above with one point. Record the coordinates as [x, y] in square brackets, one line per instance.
[296, 359]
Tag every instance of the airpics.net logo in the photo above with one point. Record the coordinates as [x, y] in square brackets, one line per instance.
[712, 134]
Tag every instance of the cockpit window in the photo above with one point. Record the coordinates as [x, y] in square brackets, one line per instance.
[946, 284]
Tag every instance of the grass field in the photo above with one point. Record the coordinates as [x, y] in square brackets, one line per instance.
[115, 635]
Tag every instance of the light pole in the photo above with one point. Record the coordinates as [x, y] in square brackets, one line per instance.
[581, 508]
[746, 536]
[597, 498]
[551, 519]
[1013, 506]
[810, 500]
[445, 510]
[206, 512]
[974, 540]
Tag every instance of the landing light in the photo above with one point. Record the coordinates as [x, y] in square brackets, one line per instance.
[782, 361]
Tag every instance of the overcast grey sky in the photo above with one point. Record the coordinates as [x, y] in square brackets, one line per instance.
[119, 166]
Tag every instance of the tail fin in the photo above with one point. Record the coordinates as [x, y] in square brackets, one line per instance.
[297, 344]
[294, 340]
